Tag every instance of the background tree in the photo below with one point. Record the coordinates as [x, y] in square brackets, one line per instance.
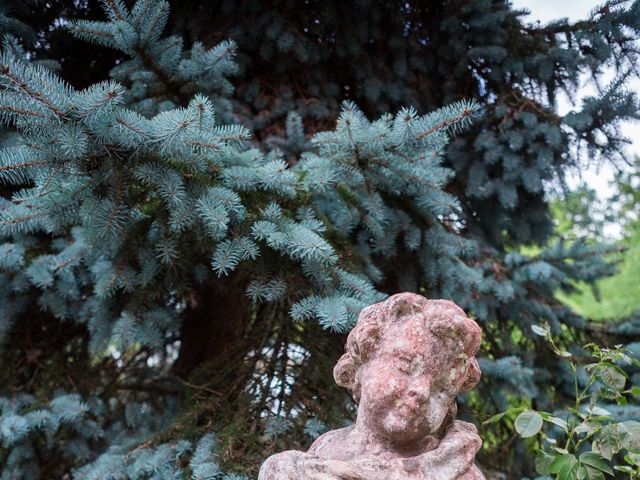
[170, 273]
[614, 219]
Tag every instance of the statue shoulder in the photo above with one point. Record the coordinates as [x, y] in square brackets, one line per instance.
[461, 425]
[280, 466]
[325, 445]
[465, 430]
[296, 465]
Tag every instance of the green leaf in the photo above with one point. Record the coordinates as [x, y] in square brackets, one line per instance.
[612, 377]
[590, 366]
[588, 427]
[543, 463]
[541, 331]
[630, 434]
[624, 468]
[528, 423]
[599, 411]
[632, 459]
[559, 422]
[495, 418]
[596, 461]
[608, 441]
[564, 465]
[588, 473]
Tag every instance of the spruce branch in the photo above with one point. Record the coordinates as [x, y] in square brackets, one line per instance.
[61, 265]
[20, 111]
[126, 124]
[115, 8]
[81, 29]
[466, 113]
[23, 165]
[7, 72]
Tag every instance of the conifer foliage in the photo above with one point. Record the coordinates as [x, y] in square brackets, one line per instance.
[178, 270]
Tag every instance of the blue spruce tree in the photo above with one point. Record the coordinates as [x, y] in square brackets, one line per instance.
[185, 240]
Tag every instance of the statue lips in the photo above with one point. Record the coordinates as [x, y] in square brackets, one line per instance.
[406, 416]
[413, 405]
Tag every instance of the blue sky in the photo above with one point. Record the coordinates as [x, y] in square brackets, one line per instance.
[545, 10]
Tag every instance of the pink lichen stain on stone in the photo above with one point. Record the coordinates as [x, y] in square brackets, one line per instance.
[406, 360]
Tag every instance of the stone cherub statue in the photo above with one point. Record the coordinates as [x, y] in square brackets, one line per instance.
[406, 360]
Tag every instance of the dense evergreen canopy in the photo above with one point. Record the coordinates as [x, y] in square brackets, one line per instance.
[197, 199]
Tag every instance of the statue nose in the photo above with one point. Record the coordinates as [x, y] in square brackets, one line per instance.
[419, 389]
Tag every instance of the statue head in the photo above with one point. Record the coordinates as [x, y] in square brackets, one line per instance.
[406, 360]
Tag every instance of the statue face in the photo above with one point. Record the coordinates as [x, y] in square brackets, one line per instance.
[410, 383]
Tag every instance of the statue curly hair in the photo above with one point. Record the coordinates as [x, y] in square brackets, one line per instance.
[444, 321]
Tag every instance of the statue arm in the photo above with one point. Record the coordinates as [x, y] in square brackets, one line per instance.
[454, 457]
[473, 473]
[281, 466]
[295, 465]
[462, 437]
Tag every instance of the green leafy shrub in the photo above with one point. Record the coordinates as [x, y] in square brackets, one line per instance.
[584, 442]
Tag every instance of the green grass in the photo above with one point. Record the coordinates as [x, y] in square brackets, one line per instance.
[619, 295]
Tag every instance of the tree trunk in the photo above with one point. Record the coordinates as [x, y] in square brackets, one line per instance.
[213, 325]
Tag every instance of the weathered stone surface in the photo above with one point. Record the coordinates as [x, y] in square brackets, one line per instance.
[406, 360]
